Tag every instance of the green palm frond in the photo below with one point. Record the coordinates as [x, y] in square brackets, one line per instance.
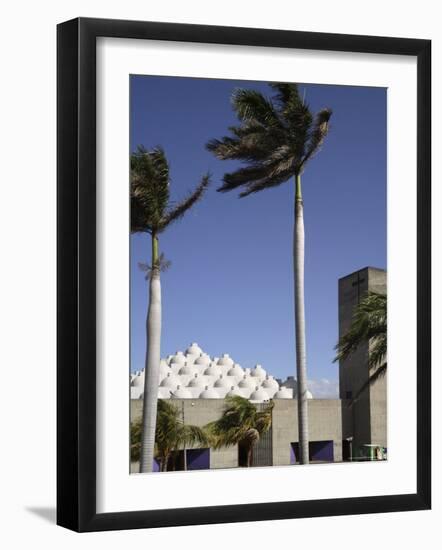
[318, 133]
[151, 209]
[369, 324]
[251, 105]
[149, 188]
[274, 139]
[240, 422]
[181, 208]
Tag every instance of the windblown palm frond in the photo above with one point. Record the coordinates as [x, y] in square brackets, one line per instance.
[151, 209]
[275, 138]
[369, 325]
[240, 424]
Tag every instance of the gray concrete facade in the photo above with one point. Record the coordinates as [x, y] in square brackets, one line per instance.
[365, 420]
[274, 447]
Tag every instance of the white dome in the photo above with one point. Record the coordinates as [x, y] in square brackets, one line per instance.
[204, 359]
[178, 358]
[309, 395]
[181, 393]
[209, 393]
[259, 395]
[258, 371]
[194, 349]
[247, 382]
[283, 393]
[270, 382]
[213, 370]
[234, 391]
[188, 370]
[170, 381]
[223, 382]
[138, 380]
[225, 360]
[196, 382]
[236, 370]
[164, 369]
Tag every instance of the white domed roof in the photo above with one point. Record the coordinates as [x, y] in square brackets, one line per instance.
[258, 371]
[234, 391]
[204, 359]
[196, 382]
[247, 382]
[138, 380]
[259, 395]
[178, 358]
[236, 370]
[181, 393]
[194, 349]
[222, 382]
[164, 369]
[225, 360]
[187, 369]
[209, 393]
[270, 382]
[283, 393]
[213, 370]
[170, 381]
[309, 395]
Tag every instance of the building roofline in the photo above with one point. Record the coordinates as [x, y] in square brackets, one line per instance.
[366, 268]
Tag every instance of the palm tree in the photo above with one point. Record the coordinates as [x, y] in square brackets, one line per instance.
[240, 424]
[275, 139]
[369, 324]
[171, 434]
[152, 212]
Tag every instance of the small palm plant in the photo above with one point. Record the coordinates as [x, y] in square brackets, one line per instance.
[240, 424]
[369, 324]
[152, 213]
[171, 435]
[275, 140]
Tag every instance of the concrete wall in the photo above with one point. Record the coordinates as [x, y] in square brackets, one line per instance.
[199, 412]
[325, 424]
[366, 419]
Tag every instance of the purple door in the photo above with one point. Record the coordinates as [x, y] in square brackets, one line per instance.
[198, 459]
[321, 451]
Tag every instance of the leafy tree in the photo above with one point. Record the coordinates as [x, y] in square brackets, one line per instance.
[275, 139]
[152, 213]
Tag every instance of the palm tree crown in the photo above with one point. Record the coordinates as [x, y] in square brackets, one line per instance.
[369, 324]
[171, 434]
[151, 209]
[240, 424]
[275, 138]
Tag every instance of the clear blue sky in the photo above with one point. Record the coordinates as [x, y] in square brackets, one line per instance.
[230, 286]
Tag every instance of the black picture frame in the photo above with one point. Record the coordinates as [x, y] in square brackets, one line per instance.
[76, 273]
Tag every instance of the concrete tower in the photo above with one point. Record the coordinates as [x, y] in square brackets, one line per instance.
[365, 420]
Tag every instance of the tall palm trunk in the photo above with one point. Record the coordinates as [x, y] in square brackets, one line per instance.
[152, 364]
[301, 359]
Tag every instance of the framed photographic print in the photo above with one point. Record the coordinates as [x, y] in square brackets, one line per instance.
[233, 205]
